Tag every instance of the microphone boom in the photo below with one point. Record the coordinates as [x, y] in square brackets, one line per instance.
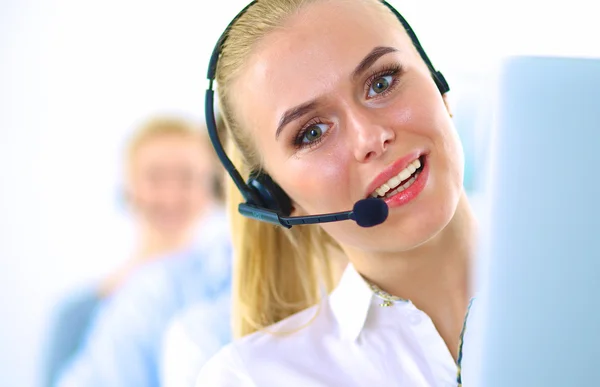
[366, 213]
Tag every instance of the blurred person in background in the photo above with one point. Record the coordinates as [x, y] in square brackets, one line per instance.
[173, 181]
[111, 335]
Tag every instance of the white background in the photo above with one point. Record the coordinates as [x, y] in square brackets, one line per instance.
[77, 76]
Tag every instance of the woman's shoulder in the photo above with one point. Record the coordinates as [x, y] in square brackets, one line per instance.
[225, 369]
[231, 365]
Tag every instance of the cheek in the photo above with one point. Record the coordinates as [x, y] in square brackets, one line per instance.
[429, 121]
[450, 152]
[317, 181]
[142, 192]
[432, 121]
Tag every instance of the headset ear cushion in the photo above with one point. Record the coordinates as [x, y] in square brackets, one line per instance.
[441, 82]
[271, 194]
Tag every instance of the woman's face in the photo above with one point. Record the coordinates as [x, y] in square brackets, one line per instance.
[339, 103]
[169, 183]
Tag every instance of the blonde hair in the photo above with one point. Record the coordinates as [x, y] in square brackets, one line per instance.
[171, 126]
[277, 272]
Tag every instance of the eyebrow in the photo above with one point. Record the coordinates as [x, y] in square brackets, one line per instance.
[300, 110]
[371, 58]
[294, 113]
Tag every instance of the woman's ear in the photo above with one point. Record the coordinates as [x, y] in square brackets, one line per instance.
[447, 103]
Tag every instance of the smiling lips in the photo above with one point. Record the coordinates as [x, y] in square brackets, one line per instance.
[399, 188]
[400, 182]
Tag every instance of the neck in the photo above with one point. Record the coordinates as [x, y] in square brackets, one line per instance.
[434, 276]
[154, 243]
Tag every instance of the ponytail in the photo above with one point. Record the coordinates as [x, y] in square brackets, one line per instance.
[276, 271]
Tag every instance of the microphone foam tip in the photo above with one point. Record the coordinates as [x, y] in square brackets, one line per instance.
[370, 212]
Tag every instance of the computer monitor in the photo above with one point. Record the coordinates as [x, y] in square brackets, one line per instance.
[538, 312]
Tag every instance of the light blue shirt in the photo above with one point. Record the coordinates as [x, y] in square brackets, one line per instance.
[124, 343]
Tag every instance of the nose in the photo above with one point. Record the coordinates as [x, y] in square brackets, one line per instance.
[371, 137]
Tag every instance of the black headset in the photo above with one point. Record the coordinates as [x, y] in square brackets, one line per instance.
[265, 199]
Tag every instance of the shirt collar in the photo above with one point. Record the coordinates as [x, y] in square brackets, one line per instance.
[350, 303]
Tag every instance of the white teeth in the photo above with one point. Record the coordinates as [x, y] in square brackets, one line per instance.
[409, 183]
[404, 186]
[393, 183]
[405, 174]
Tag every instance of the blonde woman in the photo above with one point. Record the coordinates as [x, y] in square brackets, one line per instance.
[336, 102]
[182, 258]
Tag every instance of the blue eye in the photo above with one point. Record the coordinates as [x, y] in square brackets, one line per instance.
[380, 85]
[314, 133]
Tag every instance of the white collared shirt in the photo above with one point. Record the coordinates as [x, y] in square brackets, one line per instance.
[348, 340]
